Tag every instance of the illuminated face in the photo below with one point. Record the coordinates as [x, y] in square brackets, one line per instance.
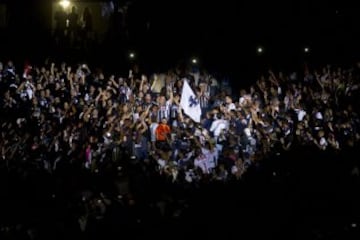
[162, 100]
[109, 103]
[95, 114]
[138, 109]
[92, 89]
[145, 88]
[155, 109]
[228, 100]
[148, 98]
[47, 92]
[179, 84]
[125, 108]
[66, 105]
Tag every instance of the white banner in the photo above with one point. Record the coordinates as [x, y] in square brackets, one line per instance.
[189, 103]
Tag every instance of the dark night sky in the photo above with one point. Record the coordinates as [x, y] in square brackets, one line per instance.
[219, 31]
[233, 29]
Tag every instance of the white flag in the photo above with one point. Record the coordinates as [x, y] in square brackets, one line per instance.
[189, 103]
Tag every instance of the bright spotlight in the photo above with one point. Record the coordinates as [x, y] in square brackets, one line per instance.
[306, 49]
[65, 3]
[132, 55]
[194, 61]
[260, 49]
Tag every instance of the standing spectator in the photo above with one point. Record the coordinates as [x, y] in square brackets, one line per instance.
[87, 20]
[162, 134]
[60, 26]
[203, 94]
[73, 19]
[87, 28]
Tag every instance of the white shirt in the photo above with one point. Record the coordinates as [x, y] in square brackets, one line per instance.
[201, 162]
[153, 127]
[217, 126]
[161, 163]
[319, 116]
[30, 93]
[231, 106]
[300, 114]
[211, 157]
[323, 143]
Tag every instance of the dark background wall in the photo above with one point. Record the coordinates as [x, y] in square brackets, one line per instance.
[223, 34]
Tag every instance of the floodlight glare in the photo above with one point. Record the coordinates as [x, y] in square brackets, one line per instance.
[65, 3]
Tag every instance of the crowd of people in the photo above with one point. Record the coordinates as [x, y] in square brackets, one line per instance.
[57, 118]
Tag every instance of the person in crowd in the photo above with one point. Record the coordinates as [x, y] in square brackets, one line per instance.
[73, 25]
